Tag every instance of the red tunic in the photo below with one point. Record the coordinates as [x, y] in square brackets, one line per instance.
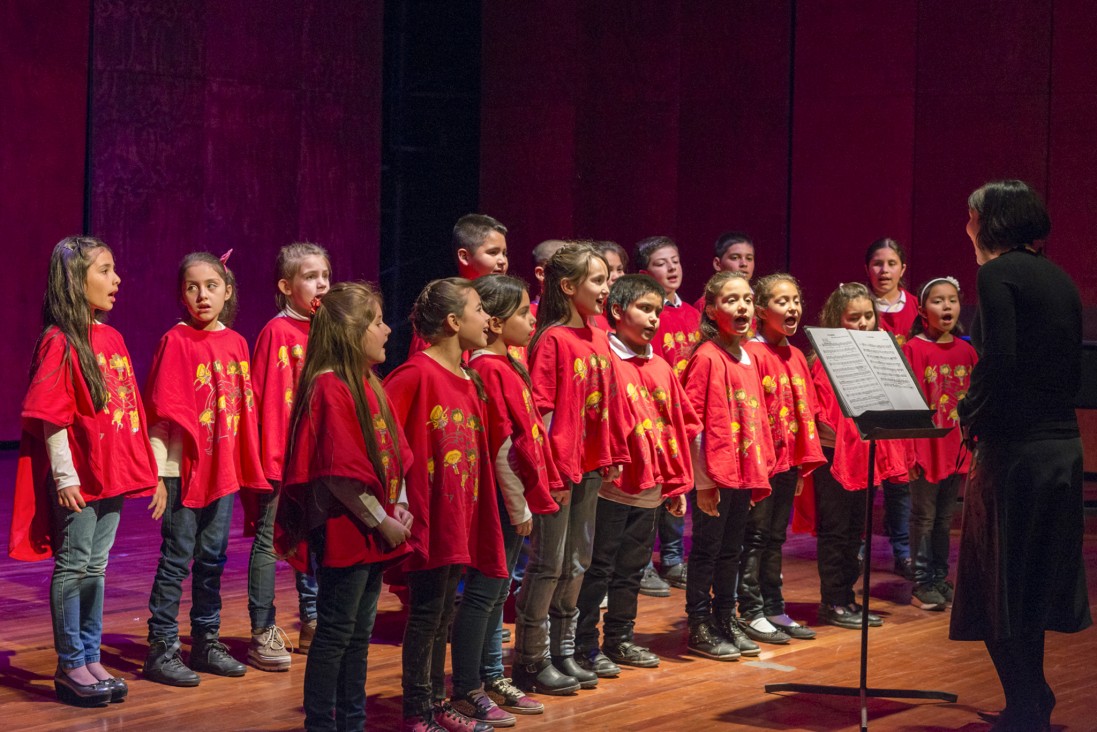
[443, 419]
[727, 395]
[201, 381]
[329, 444]
[663, 426]
[599, 321]
[510, 413]
[900, 321]
[677, 335]
[110, 448]
[850, 466]
[790, 403]
[944, 372]
[574, 378]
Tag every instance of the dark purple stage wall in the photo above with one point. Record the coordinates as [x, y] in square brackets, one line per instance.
[815, 126]
[216, 125]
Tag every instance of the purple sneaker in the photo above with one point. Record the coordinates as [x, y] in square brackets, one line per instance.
[503, 692]
[452, 720]
[422, 724]
[479, 706]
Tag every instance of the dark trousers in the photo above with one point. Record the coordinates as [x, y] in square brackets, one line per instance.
[335, 677]
[623, 539]
[430, 612]
[839, 525]
[897, 518]
[261, 570]
[672, 538]
[714, 559]
[760, 566]
[931, 508]
[194, 541]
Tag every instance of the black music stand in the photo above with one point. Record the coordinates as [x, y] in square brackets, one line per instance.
[873, 426]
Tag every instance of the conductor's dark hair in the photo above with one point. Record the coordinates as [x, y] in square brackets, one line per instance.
[1011, 215]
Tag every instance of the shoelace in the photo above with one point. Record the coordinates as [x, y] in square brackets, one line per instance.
[506, 687]
[480, 700]
[277, 639]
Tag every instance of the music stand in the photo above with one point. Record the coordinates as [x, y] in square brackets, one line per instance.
[874, 425]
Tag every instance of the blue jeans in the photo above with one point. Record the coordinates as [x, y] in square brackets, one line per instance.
[897, 518]
[81, 545]
[430, 613]
[261, 571]
[335, 676]
[477, 644]
[672, 542]
[186, 534]
[560, 552]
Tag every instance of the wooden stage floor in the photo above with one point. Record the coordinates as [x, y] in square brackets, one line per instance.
[911, 650]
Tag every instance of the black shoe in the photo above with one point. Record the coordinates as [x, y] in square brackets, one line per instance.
[731, 629]
[707, 641]
[567, 666]
[676, 576]
[628, 653]
[905, 568]
[947, 591]
[797, 631]
[164, 665]
[119, 690]
[80, 695]
[777, 637]
[842, 616]
[211, 656]
[543, 678]
[652, 585]
[593, 659]
[874, 620]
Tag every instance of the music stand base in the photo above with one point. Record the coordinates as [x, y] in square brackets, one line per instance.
[855, 691]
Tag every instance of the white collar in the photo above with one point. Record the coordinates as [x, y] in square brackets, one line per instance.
[891, 307]
[674, 302]
[288, 312]
[625, 353]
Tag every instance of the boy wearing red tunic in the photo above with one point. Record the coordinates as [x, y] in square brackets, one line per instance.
[659, 472]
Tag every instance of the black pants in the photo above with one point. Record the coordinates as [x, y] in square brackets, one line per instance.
[623, 539]
[931, 509]
[714, 558]
[430, 612]
[335, 677]
[839, 525]
[760, 566]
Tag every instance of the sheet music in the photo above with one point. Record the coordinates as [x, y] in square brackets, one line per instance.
[867, 370]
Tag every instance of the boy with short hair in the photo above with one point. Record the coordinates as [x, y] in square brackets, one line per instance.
[542, 253]
[734, 252]
[660, 472]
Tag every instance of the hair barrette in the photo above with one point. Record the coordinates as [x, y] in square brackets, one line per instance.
[315, 304]
[224, 258]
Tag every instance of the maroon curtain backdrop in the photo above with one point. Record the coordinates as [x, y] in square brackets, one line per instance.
[618, 120]
[243, 125]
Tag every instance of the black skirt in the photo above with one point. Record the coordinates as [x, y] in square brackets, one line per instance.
[1020, 570]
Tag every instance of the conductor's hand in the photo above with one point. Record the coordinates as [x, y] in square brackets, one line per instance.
[709, 501]
[394, 532]
[71, 499]
[677, 506]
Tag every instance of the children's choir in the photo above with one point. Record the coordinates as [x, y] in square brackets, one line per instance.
[585, 424]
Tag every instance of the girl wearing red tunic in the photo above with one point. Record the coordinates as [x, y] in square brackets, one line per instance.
[839, 503]
[524, 475]
[732, 462]
[575, 389]
[942, 364]
[304, 274]
[440, 404]
[84, 448]
[342, 502]
[205, 435]
[791, 408]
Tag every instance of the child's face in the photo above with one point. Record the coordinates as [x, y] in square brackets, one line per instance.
[636, 326]
[941, 309]
[205, 295]
[616, 266]
[666, 268]
[860, 314]
[739, 257]
[374, 340]
[589, 295]
[311, 281]
[101, 282]
[781, 316]
[734, 308]
[885, 269]
[472, 324]
[517, 330]
[489, 258]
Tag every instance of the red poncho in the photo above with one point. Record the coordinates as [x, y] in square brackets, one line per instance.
[677, 335]
[328, 443]
[663, 425]
[790, 402]
[510, 413]
[944, 372]
[727, 395]
[900, 321]
[574, 378]
[110, 448]
[201, 381]
[451, 485]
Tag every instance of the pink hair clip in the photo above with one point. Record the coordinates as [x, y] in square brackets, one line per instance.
[225, 257]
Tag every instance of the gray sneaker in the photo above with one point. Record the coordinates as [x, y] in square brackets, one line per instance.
[652, 585]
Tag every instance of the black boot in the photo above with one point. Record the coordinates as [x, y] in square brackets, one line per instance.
[164, 665]
[211, 656]
[543, 678]
[592, 659]
[567, 666]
